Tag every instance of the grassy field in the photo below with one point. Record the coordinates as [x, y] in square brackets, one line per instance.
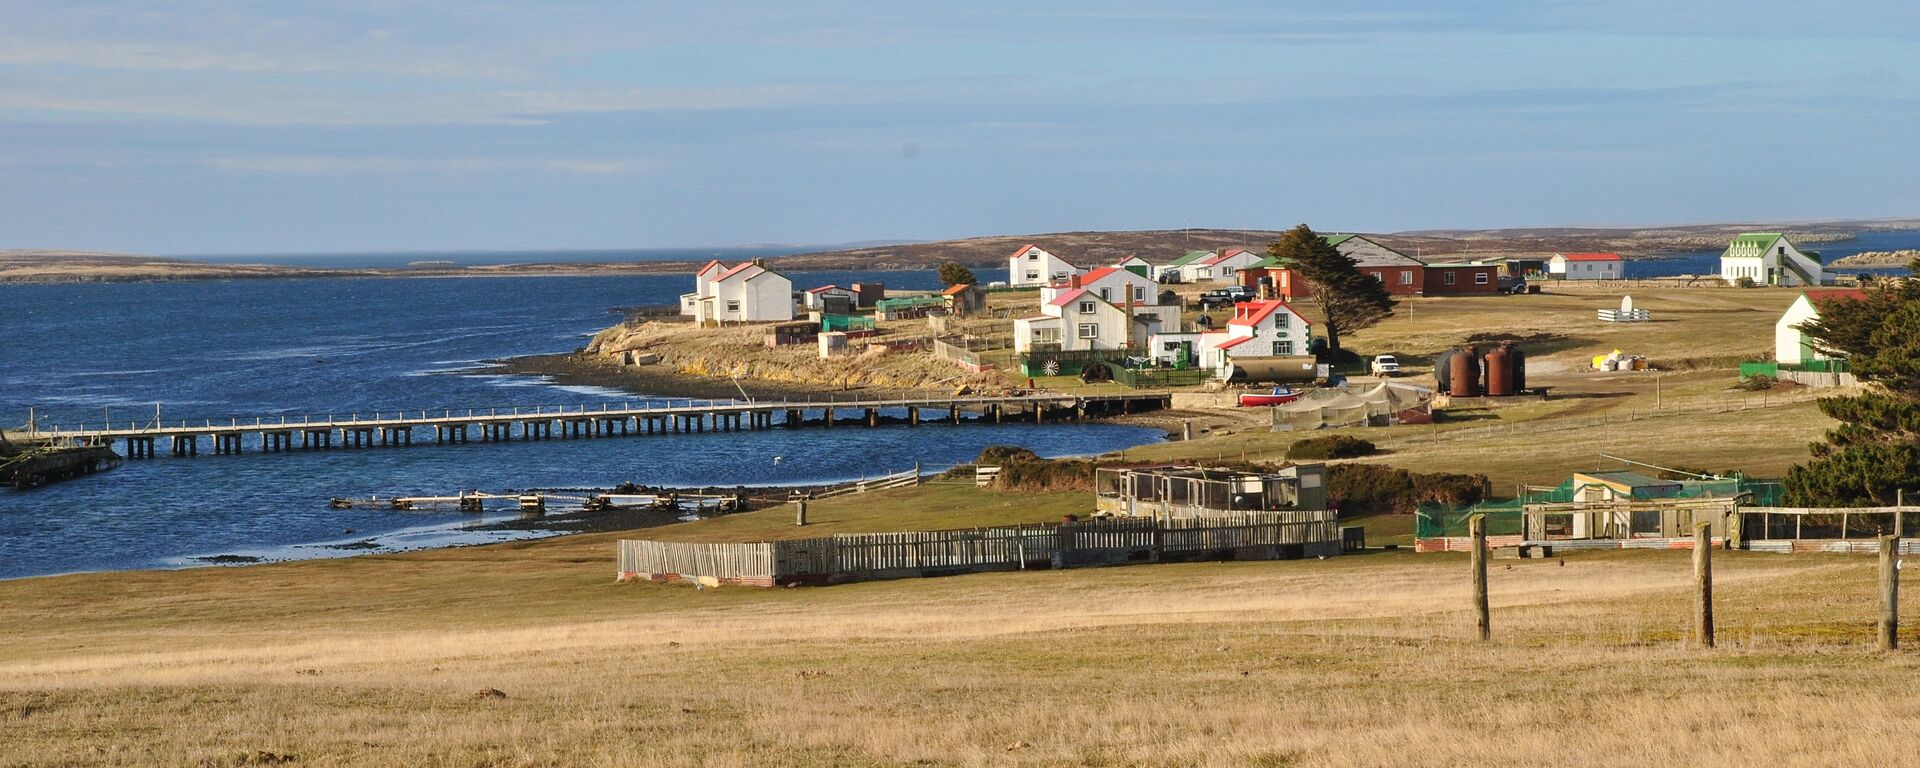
[1362, 660]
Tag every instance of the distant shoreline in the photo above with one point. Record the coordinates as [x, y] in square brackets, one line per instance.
[988, 253]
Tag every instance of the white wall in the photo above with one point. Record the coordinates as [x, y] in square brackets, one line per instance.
[1586, 270]
[768, 297]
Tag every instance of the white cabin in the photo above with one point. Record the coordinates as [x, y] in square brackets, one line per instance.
[1034, 266]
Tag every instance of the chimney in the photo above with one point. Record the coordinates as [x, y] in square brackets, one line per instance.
[1073, 282]
[760, 262]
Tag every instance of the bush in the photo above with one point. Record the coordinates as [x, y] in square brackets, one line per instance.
[951, 273]
[1365, 489]
[1743, 282]
[1005, 454]
[1330, 447]
[1756, 383]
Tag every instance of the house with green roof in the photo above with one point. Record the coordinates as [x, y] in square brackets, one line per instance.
[1769, 258]
[1177, 267]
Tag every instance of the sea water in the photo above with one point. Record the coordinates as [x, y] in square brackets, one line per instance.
[217, 350]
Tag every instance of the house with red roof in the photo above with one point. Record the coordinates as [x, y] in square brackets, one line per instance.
[1257, 329]
[744, 293]
[1586, 266]
[1031, 265]
[1078, 319]
[1401, 274]
[1115, 284]
[1791, 346]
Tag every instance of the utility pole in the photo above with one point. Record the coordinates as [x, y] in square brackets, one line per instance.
[1703, 577]
[1477, 529]
[1889, 624]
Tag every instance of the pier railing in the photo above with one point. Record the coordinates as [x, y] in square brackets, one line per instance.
[156, 426]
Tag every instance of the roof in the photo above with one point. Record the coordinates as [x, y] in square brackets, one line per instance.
[1224, 255]
[957, 288]
[1233, 342]
[1461, 265]
[1384, 257]
[1629, 479]
[709, 265]
[1022, 250]
[1822, 297]
[1338, 239]
[1272, 262]
[1256, 311]
[1189, 258]
[1589, 256]
[1068, 297]
[737, 269]
[1750, 244]
[825, 288]
[1039, 317]
[1100, 273]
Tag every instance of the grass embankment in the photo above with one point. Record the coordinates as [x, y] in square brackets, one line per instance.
[1352, 661]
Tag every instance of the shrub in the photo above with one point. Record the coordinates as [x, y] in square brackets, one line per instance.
[1756, 383]
[1005, 454]
[1743, 282]
[1364, 489]
[1330, 447]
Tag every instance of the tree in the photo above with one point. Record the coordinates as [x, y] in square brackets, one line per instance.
[954, 274]
[1350, 299]
[1875, 449]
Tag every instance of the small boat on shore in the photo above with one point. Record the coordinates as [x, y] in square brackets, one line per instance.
[1279, 396]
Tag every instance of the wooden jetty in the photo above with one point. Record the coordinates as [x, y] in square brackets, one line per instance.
[534, 503]
[147, 439]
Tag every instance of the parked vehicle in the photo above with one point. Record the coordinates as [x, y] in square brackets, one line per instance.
[1386, 365]
[1225, 297]
[1514, 285]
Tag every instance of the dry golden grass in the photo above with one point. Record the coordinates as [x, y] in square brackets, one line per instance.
[1353, 661]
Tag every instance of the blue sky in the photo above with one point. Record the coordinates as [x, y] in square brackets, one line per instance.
[261, 127]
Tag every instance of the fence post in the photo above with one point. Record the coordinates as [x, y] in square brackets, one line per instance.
[1477, 528]
[800, 511]
[1703, 578]
[1889, 624]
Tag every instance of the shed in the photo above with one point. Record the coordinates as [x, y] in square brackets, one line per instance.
[965, 299]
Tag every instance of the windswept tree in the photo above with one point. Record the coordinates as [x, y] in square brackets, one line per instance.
[1875, 449]
[1350, 299]
[952, 273]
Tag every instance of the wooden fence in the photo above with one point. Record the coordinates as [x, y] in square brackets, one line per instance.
[866, 556]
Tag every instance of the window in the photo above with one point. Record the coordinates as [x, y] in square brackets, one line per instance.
[1479, 278]
[1283, 347]
[1226, 271]
[1086, 307]
[1279, 319]
[733, 306]
[1406, 277]
[1033, 274]
[1106, 293]
[1139, 293]
[1089, 330]
[1033, 255]
[1378, 277]
[1446, 278]
[1783, 250]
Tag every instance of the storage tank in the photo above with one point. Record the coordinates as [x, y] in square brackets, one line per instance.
[1463, 373]
[1441, 373]
[1499, 362]
[1518, 357]
[1286, 369]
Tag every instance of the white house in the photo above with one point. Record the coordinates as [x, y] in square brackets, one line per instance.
[1790, 345]
[1033, 266]
[1229, 261]
[745, 293]
[1113, 284]
[1257, 329]
[1079, 319]
[1136, 265]
[817, 298]
[1587, 266]
[1768, 258]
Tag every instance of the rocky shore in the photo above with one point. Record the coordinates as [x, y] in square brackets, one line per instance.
[1898, 258]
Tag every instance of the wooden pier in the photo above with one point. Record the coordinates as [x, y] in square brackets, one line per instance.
[145, 440]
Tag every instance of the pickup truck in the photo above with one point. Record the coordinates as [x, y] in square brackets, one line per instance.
[1385, 365]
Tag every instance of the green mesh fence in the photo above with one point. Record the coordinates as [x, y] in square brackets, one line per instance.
[1504, 517]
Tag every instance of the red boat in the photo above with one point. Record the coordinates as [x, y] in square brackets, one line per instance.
[1279, 396]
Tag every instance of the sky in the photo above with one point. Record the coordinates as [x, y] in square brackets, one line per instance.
[205, 126]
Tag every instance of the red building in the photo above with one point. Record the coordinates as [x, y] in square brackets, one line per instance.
[1456, 279]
